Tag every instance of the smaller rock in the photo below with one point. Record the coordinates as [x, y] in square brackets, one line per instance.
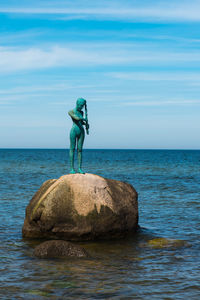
[59, 248]
[160, 243]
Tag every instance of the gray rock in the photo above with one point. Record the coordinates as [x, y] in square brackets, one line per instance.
[82, 207]
[59, 248]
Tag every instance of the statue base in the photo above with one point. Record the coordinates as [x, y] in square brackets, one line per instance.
[81, 207]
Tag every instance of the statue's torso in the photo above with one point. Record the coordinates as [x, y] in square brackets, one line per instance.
[78, 124]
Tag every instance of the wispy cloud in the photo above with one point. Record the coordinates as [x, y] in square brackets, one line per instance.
[15, 59]
[47, 93]
[161, 102]
[37, 58]
[157, 76]
[129, 11]
[33, 89]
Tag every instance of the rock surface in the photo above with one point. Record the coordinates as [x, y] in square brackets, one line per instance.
[160, 243]
[59, 248]
[82, 207]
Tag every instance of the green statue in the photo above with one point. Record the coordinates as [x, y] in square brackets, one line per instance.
[77, 133]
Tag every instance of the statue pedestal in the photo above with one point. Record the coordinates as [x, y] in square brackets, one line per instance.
[82, 207]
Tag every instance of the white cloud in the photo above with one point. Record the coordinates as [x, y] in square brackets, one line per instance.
[12, 59]
[48, 93]
[63, 86]
[157, 76]
[104, 54]
[161, 102]
[129, 10]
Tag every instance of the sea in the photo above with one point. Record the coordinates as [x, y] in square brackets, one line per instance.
[168, 186]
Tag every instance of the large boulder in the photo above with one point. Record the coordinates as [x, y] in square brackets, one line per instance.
[82, 207]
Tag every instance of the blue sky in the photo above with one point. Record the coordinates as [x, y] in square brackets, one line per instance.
[136, 62]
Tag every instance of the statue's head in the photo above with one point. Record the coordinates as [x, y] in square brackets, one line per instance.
[80, 103]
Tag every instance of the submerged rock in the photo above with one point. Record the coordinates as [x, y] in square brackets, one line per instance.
[82, 207]
[160, 243]
[59, 248]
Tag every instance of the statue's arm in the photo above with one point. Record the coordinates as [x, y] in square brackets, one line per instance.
[74, 116]
[83, 119]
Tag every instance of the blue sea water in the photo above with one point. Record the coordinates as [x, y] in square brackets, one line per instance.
[168, 184]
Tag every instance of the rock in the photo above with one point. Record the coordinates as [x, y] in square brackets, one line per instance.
[59, 248]
[160, 243]
[82, 207]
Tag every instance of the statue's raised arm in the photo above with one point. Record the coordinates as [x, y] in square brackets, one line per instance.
[77, 133]
[74, 116]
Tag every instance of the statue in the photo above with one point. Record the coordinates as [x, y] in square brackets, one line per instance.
[77, 133]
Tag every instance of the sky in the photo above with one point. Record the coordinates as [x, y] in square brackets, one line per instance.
[137, 63]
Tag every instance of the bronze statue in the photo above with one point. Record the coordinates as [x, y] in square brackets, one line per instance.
[77, 133]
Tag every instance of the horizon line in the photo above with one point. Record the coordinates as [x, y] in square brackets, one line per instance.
[37, 148]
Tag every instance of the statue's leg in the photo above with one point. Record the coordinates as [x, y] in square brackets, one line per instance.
[72, 150]
[80, 146]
